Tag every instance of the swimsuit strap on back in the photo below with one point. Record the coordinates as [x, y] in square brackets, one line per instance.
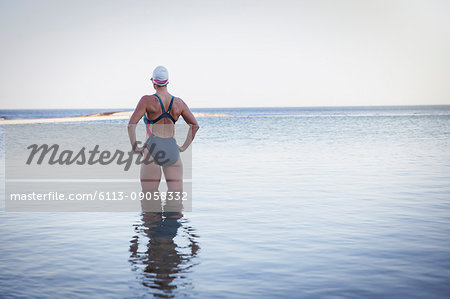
[163, 114]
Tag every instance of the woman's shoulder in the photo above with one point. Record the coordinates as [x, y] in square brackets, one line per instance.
[150, 100]
[178, 100]
[178, 105]
[148, 97]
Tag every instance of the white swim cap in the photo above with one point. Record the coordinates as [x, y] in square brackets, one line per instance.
[160, 76]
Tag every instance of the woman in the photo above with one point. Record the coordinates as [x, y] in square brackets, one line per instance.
[160, 111]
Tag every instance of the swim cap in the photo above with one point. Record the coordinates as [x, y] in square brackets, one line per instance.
[160, 76]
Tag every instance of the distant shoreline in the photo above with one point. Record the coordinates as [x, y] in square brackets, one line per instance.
[111, 115]
[28, 116]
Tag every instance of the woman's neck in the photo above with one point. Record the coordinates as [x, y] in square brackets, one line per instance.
[161, 90]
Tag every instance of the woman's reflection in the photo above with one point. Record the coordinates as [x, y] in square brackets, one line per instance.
[167, 253]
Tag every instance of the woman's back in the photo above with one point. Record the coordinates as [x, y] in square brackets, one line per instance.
[162, 111]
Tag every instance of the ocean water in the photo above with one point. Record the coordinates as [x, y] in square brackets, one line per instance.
[251, 112]
[342, 202]
[47, 113]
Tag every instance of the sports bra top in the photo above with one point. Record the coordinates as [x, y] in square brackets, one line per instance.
[164, 114]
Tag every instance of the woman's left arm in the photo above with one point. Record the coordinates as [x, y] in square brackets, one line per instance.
[134, 119]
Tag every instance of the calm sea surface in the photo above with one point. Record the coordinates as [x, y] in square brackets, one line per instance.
[287, 203]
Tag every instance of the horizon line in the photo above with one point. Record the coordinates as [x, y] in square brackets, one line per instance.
[241, 107]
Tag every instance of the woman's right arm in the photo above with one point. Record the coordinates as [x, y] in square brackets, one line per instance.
[189, 118]
[134, 119]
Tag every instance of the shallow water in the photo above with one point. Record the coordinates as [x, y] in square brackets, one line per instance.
[329, 203]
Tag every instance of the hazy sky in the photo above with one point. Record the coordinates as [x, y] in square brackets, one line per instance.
[100, 54]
